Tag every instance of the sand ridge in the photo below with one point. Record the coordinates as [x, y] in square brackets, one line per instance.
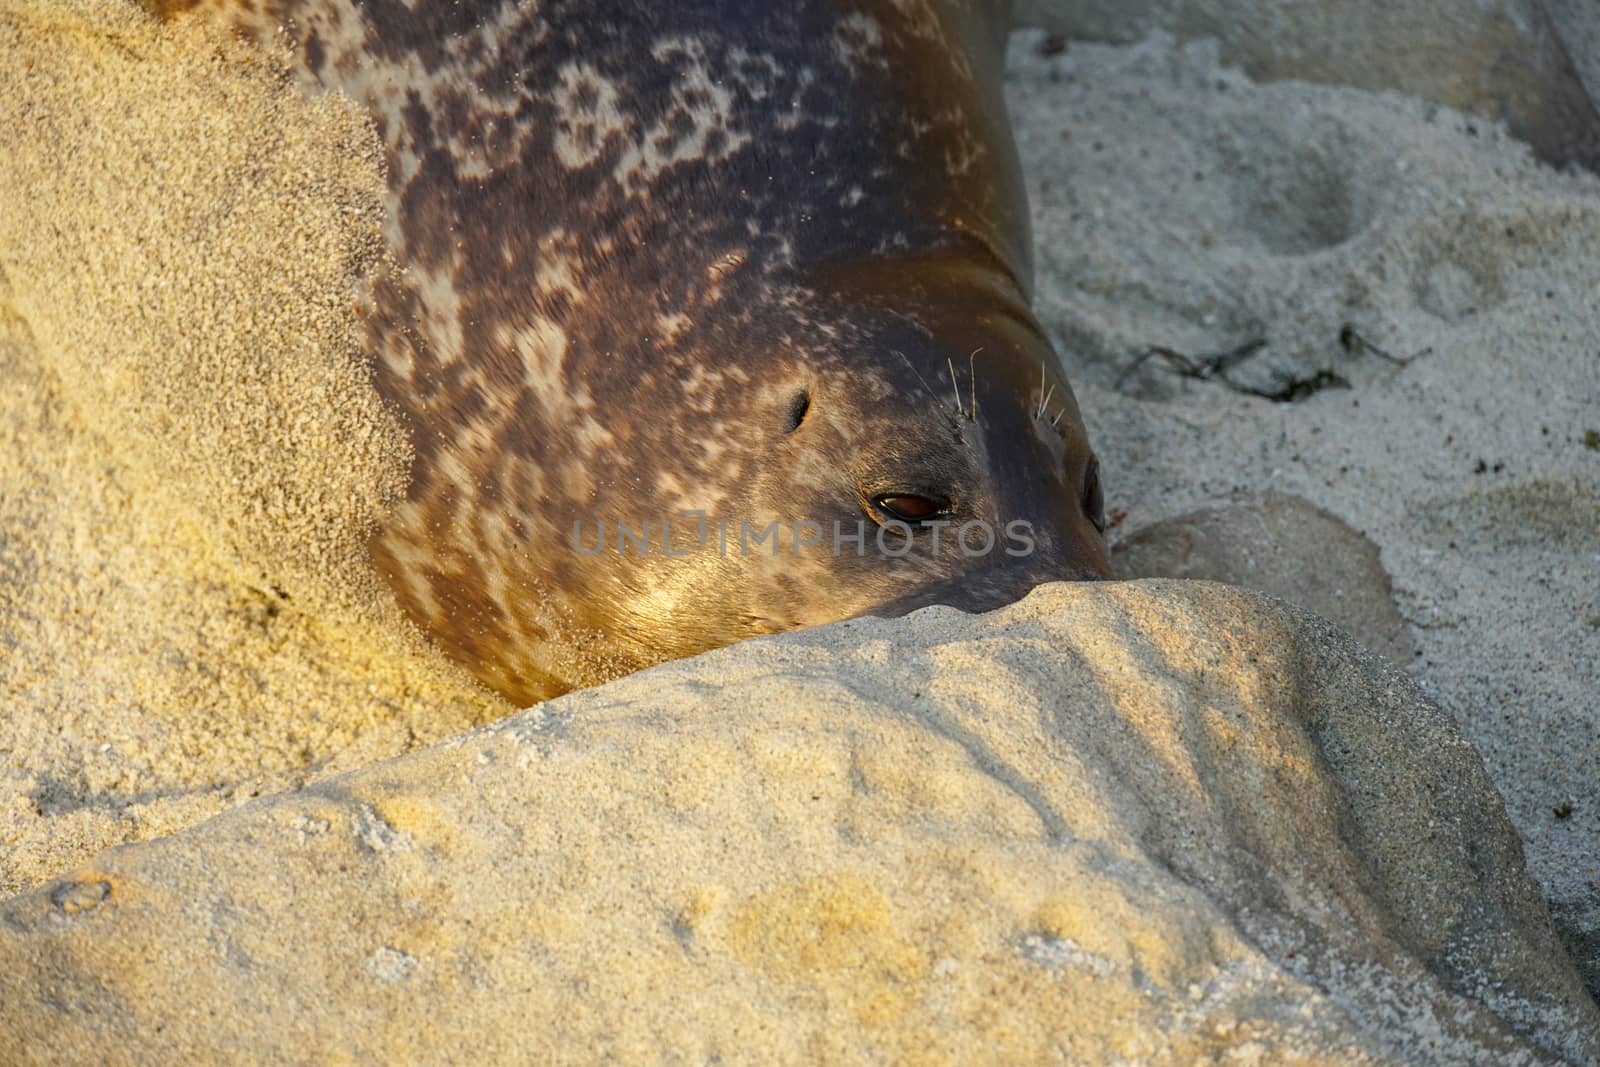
[1159, 823]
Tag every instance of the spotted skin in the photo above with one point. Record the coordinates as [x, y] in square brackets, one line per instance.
[767, 262]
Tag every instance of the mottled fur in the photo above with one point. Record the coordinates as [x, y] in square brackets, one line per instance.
[637, 238]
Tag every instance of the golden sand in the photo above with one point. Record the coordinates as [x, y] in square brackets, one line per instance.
[191, 453]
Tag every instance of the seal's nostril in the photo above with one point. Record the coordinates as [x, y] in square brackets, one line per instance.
[1094, 500]
[799, 405]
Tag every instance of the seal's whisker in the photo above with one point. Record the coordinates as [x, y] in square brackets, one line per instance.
[972, 372]
[954, 386]
[913, 368]
[1039, 413]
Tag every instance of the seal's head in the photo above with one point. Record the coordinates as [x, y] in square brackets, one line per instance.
[870, 439]
[933, 418]
[794, 449]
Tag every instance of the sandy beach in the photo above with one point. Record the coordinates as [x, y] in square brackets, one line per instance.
[191, 455]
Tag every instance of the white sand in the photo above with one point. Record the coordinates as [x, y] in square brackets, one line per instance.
[1178, 204]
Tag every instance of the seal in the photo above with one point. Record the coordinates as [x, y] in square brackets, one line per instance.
[714, 321]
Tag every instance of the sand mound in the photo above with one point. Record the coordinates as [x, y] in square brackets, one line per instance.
[190, 451]
[1147, 822]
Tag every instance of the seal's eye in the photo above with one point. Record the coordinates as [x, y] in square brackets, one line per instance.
[1094, 500]
[910, 509]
